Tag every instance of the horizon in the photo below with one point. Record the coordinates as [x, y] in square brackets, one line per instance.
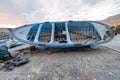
[15, 13]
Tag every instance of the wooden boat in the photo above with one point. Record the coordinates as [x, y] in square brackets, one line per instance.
[64, 34]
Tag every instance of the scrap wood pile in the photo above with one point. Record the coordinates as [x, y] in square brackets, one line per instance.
[9, 61]
[4, 54]
[10, 65]
[118, 29]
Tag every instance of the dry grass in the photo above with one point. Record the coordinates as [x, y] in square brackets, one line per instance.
[118, 29]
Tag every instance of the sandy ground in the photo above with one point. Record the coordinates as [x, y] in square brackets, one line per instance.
[115, 43]
[96, 63]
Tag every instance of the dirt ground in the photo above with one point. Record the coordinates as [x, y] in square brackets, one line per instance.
[96, 63]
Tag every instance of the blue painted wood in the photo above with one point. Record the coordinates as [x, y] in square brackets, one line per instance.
[83, 25]
[52, 33]
[38, 33]
[67, 33]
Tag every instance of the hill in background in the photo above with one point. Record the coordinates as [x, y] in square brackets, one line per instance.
[112, 20]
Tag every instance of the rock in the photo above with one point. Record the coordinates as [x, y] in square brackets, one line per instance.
[32, 48]
[1, 66]
[49, 52]
[26, 51]
[15, 55]
[1, 61]
[112, 74]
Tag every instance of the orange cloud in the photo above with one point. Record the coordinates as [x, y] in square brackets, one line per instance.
[10, 19]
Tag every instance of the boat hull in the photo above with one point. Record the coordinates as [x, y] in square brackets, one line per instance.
[64, 34]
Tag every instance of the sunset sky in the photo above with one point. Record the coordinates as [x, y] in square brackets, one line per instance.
[20, 12]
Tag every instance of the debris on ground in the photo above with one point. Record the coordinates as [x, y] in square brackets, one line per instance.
[32, 48]
[11, 59]
[4, 54]
[1, 66]
[15, 44]
[118, 29]
[10, 65]
[15, 54]
[21, 61]
[49, 52]
[65, 50]
[1, 61]
[26, 51]
[3, 47]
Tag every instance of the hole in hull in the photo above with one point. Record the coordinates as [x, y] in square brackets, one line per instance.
[60, 33]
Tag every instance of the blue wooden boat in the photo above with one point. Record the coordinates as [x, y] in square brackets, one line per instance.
[64, 34]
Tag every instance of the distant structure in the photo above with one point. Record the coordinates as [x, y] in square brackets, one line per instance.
[64, 34]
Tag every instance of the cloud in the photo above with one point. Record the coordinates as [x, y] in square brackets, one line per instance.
[57, 10]
[10, 18]
[61, 10]
[104, 9]
[8, 26]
